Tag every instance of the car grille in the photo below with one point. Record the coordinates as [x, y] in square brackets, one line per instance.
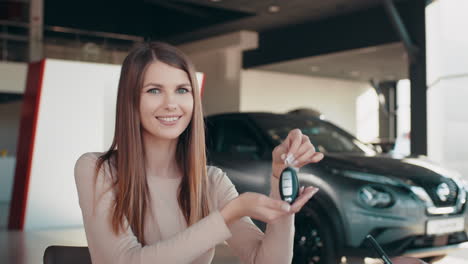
[451, 198]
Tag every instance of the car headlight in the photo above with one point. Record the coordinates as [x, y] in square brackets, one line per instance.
[375, 196]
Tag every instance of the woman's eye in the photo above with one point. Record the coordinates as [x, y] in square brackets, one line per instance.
[154, 91]
[183, 90]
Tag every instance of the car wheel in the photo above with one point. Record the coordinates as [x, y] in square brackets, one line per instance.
[313, 239]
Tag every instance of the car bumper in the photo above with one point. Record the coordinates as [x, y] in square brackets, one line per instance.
[402, 233]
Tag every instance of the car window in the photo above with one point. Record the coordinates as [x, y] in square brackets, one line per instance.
[325, 137]
[235, 139]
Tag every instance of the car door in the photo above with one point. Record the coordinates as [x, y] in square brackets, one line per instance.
[235, 147]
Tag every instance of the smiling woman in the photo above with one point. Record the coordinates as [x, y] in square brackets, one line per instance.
[166, 101]
[151, 198]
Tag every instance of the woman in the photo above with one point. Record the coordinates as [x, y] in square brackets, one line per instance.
[151, 198]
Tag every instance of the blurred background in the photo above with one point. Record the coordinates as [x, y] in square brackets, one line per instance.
[387, 78]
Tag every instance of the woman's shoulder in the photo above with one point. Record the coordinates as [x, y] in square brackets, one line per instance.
[214, 173]
[85, 165]
[90, 156]
[217, 176]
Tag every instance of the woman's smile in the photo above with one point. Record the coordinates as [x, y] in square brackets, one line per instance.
[168, 120]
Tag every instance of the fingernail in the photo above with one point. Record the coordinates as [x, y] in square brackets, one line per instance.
[286, 207]
[302, 189]
[283, 156]
[294, 162]
[314, 192]
[290, 158]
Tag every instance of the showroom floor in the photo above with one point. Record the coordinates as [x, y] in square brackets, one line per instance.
[28, 247]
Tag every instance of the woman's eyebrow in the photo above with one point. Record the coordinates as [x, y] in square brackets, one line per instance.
[152, 84]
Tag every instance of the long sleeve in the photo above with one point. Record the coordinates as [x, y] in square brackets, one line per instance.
[107, 247]
[248, 241]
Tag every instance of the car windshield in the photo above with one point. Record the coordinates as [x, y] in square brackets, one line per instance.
[323, 135]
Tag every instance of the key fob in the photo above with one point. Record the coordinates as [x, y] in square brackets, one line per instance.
[289, 185]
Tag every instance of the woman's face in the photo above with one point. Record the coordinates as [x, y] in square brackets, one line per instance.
[166, 102]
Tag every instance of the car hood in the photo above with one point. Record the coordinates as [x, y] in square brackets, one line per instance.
[415, 171]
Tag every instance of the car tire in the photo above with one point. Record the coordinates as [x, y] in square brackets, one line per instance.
[313, 240]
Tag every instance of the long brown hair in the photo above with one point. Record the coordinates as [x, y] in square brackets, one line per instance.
[132, 196]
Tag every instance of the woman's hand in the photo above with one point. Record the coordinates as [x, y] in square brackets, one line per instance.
[303, 198]
[254, 205]
[297, 149]
[262, 207]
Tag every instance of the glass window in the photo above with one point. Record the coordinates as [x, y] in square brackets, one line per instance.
[234, 138]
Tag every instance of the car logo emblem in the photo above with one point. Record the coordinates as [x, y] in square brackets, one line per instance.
[443, 191]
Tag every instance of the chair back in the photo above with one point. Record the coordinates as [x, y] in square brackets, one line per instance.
[67, 255]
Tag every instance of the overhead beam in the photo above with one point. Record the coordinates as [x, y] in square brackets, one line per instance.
[356, 30]
[400, 28]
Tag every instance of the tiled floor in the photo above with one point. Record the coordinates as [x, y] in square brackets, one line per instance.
[28, 247]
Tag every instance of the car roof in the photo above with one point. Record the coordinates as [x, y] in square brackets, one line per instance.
[263, 115]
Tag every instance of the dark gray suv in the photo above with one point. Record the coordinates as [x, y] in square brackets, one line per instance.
[410, 205]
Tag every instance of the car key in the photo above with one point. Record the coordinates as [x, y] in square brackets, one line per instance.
[289, 185]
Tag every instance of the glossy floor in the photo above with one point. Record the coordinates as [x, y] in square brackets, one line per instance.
[28, 247]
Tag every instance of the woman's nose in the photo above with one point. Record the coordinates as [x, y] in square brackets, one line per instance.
[170, 102]
[171, 106]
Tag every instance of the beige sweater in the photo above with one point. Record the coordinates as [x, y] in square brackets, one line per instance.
[168, 238]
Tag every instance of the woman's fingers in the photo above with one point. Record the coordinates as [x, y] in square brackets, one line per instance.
[304, 158]
[318, 156]
[309, 157]
[293, 141]
[307, 193]
[300, 151]
[306, 148]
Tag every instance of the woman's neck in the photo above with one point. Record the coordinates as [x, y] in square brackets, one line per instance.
[160, 157]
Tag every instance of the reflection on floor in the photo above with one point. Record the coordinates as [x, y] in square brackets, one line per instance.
[28, 247]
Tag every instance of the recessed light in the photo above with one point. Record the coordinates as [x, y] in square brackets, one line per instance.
[273, 9]
[354, 73]
[215, 1]
[314, 68]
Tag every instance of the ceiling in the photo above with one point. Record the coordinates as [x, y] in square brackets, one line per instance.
[180, 21]
[270, 14]
[381, 63]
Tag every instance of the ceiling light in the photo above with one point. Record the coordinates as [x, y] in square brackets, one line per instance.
[354, 73]
[215, 1]
[314, 68]
[273, 9]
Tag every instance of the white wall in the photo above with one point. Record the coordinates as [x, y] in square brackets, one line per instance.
[447, 78]
[76, 115]
[280, 92]
[13, 77]
[220, 59]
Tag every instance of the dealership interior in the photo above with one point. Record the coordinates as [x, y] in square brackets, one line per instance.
[379, 87]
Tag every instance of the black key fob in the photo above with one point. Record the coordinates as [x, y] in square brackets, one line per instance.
[289, 185]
